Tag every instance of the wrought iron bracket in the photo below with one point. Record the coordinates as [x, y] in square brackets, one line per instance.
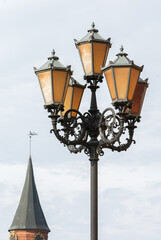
[82, 132]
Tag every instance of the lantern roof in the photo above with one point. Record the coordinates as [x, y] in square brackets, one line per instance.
[73, 82]
[92, 35]
[53, 63]
[143, 81]
[122, 61]
[29, 214]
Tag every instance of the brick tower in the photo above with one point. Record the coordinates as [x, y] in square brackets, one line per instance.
[29, 222]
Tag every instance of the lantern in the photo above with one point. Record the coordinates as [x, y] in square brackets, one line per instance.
[73, 96]
[93, 50]
[138, 98]
[54, 79]
[122, 76]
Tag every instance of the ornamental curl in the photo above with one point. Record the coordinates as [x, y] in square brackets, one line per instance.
[79, 147]
[124, 141]
[99, 150]
[69, 129]
[111, 126]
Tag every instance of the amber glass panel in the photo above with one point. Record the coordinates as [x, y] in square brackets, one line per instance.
[105, 59]
[133, 81]
[77, 96]
[121, 78]
[68, 98]
[138, 98]
[66, 86]
[142, 98]
[99, 51]
[59, 84]
[110, 83]
[45, 83]
[86, 56]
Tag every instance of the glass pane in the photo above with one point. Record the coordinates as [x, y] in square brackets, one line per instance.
[85, 53]
[107, 51]
[45, 83]
[99, 51]
[121, 78]
[67, 102]
[59, 81]
[66, 87]
[77, 96]
[133, 81]
[138, 98]
[110, 83]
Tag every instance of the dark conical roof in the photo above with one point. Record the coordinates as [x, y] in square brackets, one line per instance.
[29, 214]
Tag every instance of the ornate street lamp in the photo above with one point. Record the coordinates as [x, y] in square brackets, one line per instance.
[92, 131]
[54, 79]
[122, 76]
[93, 50]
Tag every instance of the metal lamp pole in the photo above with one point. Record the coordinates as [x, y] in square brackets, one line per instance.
[94, 200]
[94, 168]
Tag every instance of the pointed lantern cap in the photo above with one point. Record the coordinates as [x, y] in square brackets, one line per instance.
[29, 214]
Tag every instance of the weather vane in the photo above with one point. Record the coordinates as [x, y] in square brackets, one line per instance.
[31, 134]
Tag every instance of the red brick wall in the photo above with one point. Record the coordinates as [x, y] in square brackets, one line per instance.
[29, 234]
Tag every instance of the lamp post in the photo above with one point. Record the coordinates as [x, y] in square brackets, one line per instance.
[93, 131]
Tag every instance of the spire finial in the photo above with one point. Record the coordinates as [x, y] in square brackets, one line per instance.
[31, 134]
[121, 48]
[93, 25]
[53, 52]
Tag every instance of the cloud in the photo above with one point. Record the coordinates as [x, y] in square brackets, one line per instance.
[135, 189]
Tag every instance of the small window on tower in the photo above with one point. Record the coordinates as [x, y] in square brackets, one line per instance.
[13, 236]
[39, 236]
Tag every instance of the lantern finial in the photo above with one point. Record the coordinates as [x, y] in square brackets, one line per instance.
[122, 53]
[93, 29]
[53, 57]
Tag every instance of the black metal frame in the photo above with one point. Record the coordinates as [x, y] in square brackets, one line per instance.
[91, 133]
[104, 131]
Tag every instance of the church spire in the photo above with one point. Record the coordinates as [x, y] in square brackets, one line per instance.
[29, 214]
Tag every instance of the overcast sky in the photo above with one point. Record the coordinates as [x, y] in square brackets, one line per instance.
[129, 182]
